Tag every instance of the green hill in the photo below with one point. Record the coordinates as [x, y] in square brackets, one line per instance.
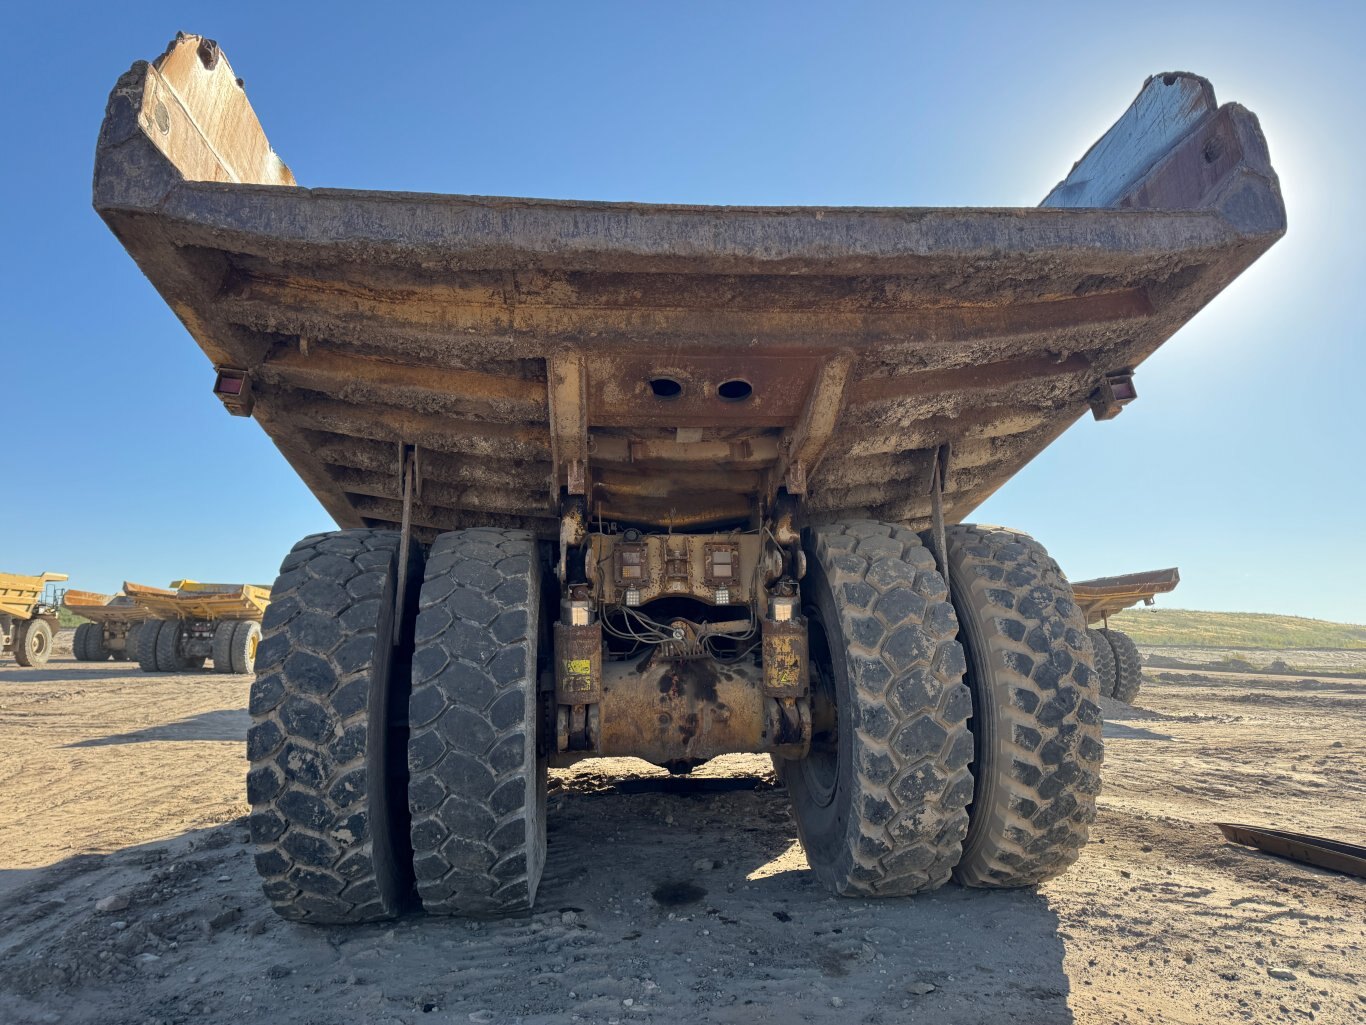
[1188, 628]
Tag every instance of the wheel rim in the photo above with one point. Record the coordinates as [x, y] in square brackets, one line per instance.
[821, 767]
[39, 645]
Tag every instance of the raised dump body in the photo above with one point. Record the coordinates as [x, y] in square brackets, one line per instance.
[669, 482]
[192, 622]
[28, 616]
[1102, 597]
[1118, 663]
[113, 627]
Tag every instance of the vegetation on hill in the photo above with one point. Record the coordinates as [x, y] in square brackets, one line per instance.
[1189, 628]
[65, 617]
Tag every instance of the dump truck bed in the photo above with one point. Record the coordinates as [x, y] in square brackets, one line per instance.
[20, 593]
[675, 364]
[192, 600]
[1104, 596]
[104, 608]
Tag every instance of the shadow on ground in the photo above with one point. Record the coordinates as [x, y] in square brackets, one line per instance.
[662, 901]
[69, 673]
[220, 724]
[1118, 731]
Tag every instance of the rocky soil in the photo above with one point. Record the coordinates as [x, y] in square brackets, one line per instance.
[127, 893]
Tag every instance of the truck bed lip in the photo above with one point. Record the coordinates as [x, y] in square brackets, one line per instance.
[365, 324]
[1105, 596]
[513, 232]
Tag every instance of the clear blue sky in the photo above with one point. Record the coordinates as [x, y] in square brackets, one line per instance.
[1241, 462]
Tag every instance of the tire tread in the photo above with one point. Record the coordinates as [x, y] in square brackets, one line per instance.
[910, 785]
[1029, 820]
[319, 816]
[478, 818]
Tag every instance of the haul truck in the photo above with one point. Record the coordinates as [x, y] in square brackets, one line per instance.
[28, 616]
[193, 622]
[1118, 663]
[668, 482]
[113, 628]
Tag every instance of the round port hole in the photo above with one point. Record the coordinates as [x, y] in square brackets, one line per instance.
[665, 388]
[735, 391]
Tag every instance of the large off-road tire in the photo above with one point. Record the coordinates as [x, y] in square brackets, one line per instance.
[881, 800]
[1035, 722]
[1128, 666]
[168, 653]
[79, 640]
[32, 642]
[326, 785]
[246, 638]
[1105, 663]
[222, 646]
[148, 633]
[95, 647]
[477, 769]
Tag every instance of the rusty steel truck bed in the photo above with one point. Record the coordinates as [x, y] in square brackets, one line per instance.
[678, 362]
[668, 482]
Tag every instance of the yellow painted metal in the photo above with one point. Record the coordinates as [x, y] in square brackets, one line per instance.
[1104, 596]
[20, 593]
[104, 608]
[682, 712]
[189, 599]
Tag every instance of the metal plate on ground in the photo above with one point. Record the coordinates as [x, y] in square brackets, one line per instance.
[1311, 850]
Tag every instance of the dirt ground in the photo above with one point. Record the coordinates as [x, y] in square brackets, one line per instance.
[680, 900]
[1322, 660]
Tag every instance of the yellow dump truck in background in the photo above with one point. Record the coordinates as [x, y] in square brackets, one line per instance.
[28, 616]
[1117, 660]
[113, 628]
[194, 622]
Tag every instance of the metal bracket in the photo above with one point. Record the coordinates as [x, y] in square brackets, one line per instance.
[938, 541]
[411, 484]
[567, 393]
[234, 389]
[573, 535]
[1116, 391]
[803, 445]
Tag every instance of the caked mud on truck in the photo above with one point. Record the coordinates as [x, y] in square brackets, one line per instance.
[619, 479]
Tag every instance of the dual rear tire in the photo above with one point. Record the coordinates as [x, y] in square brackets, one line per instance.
[1118, 664]
[234, 646]
[1128, 666]
[87, 643]
[968, 735]
[158, 646]
[958, 735]
[348, 819]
